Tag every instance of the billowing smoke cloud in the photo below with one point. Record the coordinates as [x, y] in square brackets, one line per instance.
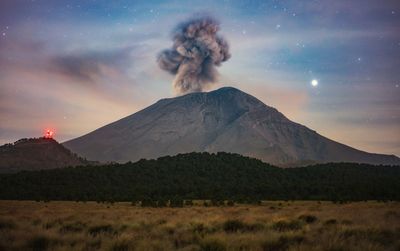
[196, 52]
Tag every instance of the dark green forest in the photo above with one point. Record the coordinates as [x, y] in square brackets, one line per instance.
[205, 176]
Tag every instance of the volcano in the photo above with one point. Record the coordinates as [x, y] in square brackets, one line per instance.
[224, 120]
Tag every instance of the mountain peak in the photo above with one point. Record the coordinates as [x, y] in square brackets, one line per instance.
[231, 92]
[223, 91]
[227, 89]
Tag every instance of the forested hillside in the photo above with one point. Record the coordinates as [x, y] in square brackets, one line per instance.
[219, 176]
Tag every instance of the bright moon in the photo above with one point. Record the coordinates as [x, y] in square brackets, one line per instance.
[314, 82]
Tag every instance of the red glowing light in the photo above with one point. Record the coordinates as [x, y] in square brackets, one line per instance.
[48, 134]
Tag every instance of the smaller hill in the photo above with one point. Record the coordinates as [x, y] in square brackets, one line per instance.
[36, 154]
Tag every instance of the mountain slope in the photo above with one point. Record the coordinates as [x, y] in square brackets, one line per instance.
[35, 154]
[226, 120]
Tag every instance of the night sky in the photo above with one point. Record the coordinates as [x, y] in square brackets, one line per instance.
[74, 66]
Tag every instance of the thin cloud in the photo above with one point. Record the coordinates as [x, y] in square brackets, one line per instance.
[88, 66]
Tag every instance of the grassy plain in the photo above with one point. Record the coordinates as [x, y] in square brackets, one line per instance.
[298, 225]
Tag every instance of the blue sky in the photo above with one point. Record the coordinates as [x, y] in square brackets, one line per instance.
[77, 65]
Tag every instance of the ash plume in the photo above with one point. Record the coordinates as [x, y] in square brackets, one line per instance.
[197, 50]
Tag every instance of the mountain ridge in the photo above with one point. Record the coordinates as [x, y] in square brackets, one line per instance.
[225, 119]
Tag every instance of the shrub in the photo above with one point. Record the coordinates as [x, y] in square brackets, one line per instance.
[282, 243]
[212, 245]
[188, 203]
[202, 229]
[233, 226]
[256, 202]
[162, 203]
[338, 247]
[92, 244]
[176, 203]
[254, 227]
[6, 224]
[217, 203]
[199, 228]
[230, 203]
[383, 237]
[38, 243]
[51, 224]
[282, 225]
[72, 227]
[148, 203]
[330, 222]
[101, 229]
[121, 245]
[308, 218]
[36, 222]
[392, 214]
[347, 222]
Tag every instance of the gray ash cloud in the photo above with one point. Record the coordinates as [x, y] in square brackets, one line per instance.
[196, 52]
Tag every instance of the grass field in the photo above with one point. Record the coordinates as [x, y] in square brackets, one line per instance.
[26, 225]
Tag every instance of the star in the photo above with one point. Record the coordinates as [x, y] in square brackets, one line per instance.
[314, 82]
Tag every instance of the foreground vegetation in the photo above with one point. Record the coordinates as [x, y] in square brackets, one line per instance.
[192, 176]
[278, 225]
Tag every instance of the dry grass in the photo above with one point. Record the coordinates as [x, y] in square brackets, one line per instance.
[26, 225]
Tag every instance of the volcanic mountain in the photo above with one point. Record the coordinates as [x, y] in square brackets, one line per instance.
[35, 154]
[227, 120]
